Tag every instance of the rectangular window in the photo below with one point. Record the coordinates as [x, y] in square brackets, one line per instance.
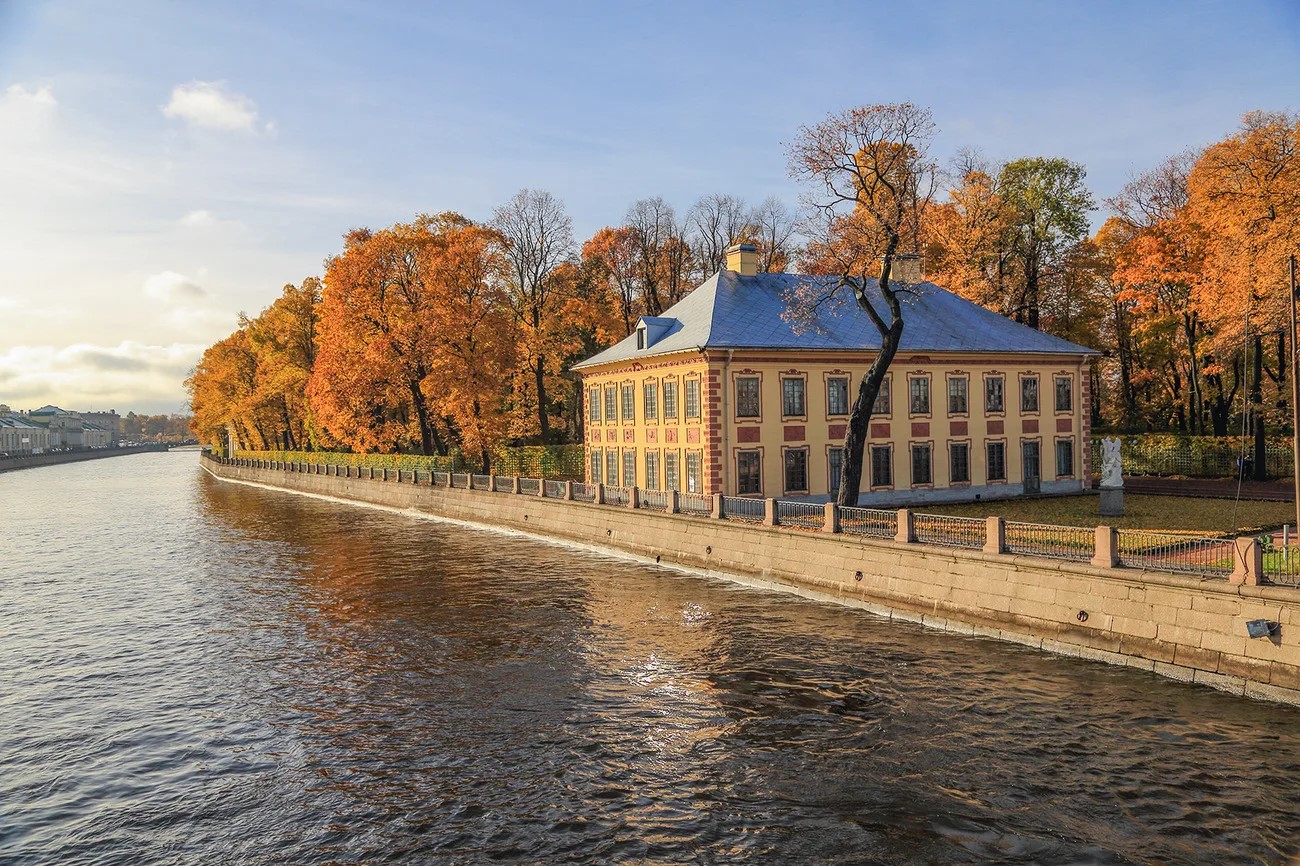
[749, 478]
[671, 479]
[629, 468]
[1029, 394]
[882, 466]
[957, 396]
[958, 463]
[692, 398]
[693, 484]
[670, 399]
[747, 397]
[1064, 394]
[997, 468]
[837, 395]
[595, 467]
[835, 458]
[629, 410]
[1065, 457]
[611, 467]
[920, 394]
[884, 399]
[651, 402]
[792, 397]
[993, 400]
[593, 404]
[652, 470]
[921, 473]
[611, 405]
[796, 470]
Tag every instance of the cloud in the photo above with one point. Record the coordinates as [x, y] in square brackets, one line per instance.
[173, 288]
[197, 219]
[208, 105]
[22, 97]
[87, 376]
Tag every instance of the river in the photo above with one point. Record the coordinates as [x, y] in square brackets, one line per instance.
[194, 671]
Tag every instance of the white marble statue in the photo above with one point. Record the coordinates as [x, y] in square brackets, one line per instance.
[1110, 464]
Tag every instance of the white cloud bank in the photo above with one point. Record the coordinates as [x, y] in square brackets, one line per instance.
[209, 105]
[128, 376]
[173, 288]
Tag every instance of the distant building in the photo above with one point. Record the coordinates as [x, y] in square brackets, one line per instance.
[723, 393]
[18, 435]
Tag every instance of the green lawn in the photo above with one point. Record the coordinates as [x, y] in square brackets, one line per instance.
[1140, 512]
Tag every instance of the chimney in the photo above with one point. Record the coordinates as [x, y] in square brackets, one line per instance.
[906, 269]
[743, 259]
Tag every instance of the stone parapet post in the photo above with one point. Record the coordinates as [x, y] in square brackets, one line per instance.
[1247, 562]
[716, 512]
[514, 484]
[541, 487]
[995, 535]
[906, 533]
[568, 491]
[1106, 550]
[769, 512]
[634, 497]
[673, 507]
[831, 518]
[599, 498]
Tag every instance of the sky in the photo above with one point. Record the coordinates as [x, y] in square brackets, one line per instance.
[167, 165]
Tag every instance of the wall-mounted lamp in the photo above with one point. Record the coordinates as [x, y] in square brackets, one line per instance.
[1262, 628]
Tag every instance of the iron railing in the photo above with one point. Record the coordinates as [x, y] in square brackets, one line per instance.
[440, 479]
[1184, 554]
[1054, 542]
[873, 522]
[553, 489]
[617, 495]
[744, 508]
[947, 531]
[655, 500]
[808, 515]
[463, 480]
[529, 486]
[480, 482]
[694, 503]
[584, 492]
[503, 483]
[1282, 564]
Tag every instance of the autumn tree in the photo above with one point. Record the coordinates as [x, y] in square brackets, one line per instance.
[868, 177]
[538, 239]
[283, 338]
[1050, 203]
[612, 254]
[772, 228]
[713, 223]
[372, 387]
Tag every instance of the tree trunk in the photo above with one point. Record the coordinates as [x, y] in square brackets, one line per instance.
[429, 439]
[1257, 400]
[543, 416]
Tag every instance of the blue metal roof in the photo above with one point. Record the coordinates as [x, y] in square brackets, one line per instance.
[733, 312]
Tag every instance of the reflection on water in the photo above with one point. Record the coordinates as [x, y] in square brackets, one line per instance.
[199, 672]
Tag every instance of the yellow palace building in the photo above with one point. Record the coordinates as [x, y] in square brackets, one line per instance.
[726, 393]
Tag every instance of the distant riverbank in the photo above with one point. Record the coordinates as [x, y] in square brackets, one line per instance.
[54, 458]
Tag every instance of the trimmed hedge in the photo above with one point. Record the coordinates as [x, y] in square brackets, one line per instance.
[559, 462]
[1193, 456]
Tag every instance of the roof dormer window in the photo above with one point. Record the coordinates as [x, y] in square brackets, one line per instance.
[640, 337]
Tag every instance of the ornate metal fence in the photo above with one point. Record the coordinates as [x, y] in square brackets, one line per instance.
[480, 482]
[1282, 564]
[503, 484]
[1054, 542]
[744, 509]
[553, 489]
[1184, 554]
[583, 492]
[968, 532]
[808, 515]
[695, 503]
[440, 479]
[530, 486]
[462, 480]
[655, 500]
[617, 495]
[873, 522]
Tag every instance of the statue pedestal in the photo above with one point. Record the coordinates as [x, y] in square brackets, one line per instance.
[1112, 501]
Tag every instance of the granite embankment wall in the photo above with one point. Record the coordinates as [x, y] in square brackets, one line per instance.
[10, 464]
[1181, 627]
